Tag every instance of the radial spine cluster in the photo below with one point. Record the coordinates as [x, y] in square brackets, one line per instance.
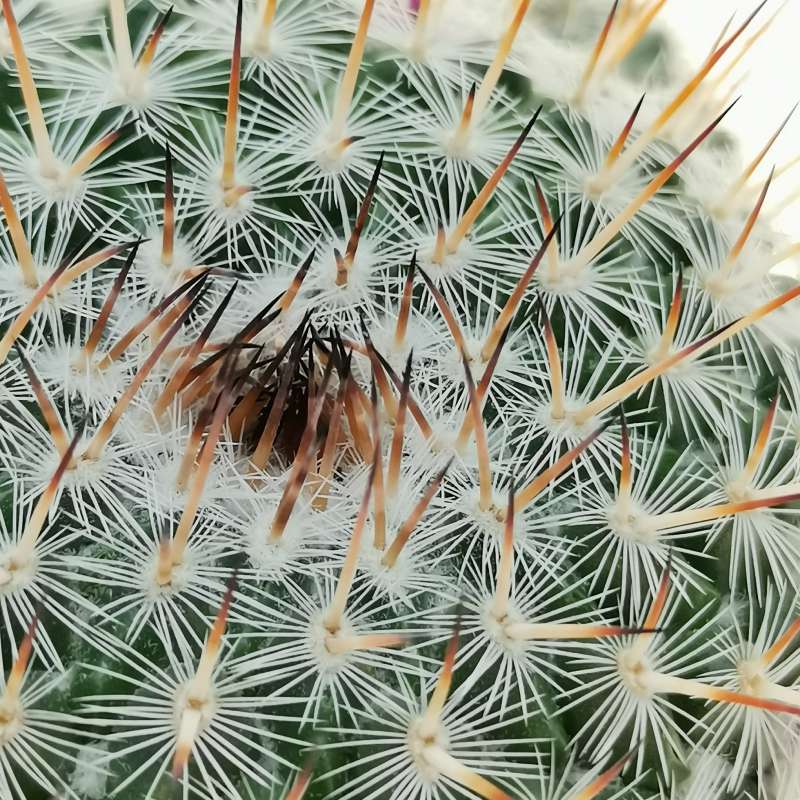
[398, 399]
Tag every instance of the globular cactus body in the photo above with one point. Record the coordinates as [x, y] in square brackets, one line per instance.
[398, 400]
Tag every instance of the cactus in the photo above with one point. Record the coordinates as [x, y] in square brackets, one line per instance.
[398, 401]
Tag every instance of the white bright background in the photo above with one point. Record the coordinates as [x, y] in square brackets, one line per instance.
[771, 88]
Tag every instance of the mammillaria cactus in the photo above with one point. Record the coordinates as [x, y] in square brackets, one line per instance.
[397, 400]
